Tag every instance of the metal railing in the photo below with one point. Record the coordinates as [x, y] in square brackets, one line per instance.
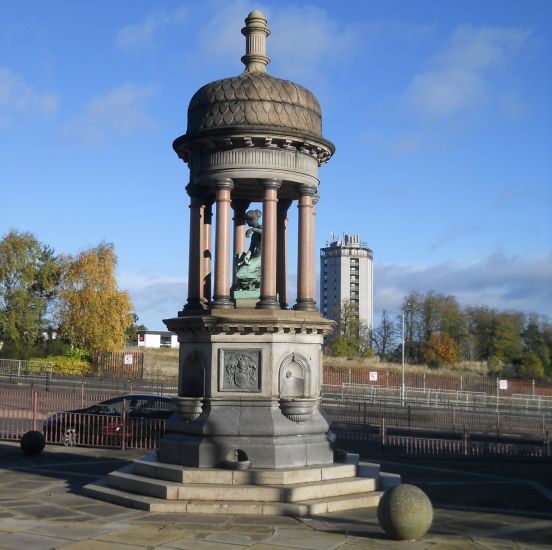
[24, 411]
[440, 398]
[442, 447]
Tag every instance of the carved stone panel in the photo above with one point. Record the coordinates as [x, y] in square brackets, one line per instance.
[240, 370]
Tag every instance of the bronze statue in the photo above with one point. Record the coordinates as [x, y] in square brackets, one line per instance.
[248, 273]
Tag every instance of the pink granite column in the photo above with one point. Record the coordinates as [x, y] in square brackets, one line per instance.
[195, 289]
[240, 245]
[313, 255]
[305, 298]
[207, 247]
[281, 255]
[222, 253]
[268, 259]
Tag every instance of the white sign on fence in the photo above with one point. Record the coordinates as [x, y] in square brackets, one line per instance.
[503, 384]
[128, 359]
[373, 376]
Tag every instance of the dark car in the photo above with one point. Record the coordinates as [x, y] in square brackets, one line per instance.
[135, 419]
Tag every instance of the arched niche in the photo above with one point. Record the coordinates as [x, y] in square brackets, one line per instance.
[294, 377]
[192, 376]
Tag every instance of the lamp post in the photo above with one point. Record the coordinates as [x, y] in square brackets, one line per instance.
[402, 370]
[403, 390]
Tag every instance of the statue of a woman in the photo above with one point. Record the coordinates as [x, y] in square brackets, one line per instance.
[248, 274]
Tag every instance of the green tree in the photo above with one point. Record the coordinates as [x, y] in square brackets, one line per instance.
[131, 332]
[497, 334]
[93, 313]
[350, 337]
[29, 275]
[534, 341]
[530, 366]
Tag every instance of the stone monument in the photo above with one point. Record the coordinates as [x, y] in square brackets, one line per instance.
[250, 368]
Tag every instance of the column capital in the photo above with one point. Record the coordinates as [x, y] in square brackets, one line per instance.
[306, 190]
[283, 206]
[196, 191]
[271, 184]
[240, 204]
[315, 199]
[224, 183]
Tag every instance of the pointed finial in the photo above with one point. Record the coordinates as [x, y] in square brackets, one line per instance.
[255, 32]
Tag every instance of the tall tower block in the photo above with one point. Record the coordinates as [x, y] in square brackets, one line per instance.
[347, 275]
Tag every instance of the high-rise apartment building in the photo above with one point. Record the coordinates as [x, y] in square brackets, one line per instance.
[346, 275]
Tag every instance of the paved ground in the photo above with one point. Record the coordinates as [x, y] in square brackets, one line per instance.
[477, 505]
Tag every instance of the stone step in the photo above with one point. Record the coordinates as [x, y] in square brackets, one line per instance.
[123, 479]
[150, 467]
[387, 481]
[101, 491]
[327, 489]
[344, 502]
[170, 490]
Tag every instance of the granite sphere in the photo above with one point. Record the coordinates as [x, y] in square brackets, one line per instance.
[405, 512]
[33, 442]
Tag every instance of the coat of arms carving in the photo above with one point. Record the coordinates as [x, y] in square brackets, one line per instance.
[240, 370]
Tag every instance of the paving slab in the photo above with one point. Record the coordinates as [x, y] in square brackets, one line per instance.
[143, 536]
[28, 541]
[310, 539]
[93, 544]
[42, 507]
[189, 544]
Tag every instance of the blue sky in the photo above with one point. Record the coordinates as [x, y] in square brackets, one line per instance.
[441, 113]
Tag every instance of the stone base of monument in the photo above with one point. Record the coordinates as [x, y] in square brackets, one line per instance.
[148, 484]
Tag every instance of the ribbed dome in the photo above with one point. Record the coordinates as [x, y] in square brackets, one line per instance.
[254, 99]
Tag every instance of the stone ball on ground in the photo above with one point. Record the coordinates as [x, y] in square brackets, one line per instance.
[33, 442]
[405, 512]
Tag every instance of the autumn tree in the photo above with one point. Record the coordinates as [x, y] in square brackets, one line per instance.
[29, 275]
[93, 313]
[441, 349]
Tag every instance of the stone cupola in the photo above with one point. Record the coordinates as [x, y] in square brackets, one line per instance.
[252, 138]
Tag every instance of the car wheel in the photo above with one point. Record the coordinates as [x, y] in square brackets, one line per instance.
[70, 437]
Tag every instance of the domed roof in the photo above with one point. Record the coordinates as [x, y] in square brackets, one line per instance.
[254, 100]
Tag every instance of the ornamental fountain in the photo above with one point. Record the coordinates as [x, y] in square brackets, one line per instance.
[250, 368]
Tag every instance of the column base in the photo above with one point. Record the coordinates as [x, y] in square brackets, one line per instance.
[268, 302]
[305, 305]
[195, 304]
[222, 302]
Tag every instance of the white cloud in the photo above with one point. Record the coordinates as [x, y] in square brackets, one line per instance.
[461, 77]
[307, 38]
[154, 297]
[142, 35]
[17, 96]
[499, 281]
[120, 111]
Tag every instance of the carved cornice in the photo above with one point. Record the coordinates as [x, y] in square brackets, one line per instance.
[279, 323]
[186, 146]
